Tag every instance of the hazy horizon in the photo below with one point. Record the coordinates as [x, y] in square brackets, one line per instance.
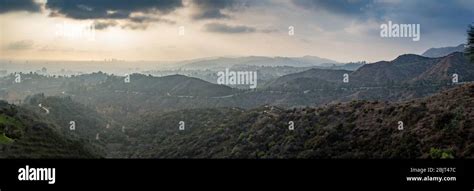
[180, 30]
[157, 61]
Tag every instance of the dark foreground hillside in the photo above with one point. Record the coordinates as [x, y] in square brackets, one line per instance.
[25, 133]
[440, 126]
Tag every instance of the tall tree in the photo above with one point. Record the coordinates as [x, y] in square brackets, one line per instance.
[470, 43]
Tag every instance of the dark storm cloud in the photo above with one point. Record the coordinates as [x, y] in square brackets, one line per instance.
[109, 9]
[214, 9]
[337, 6]
[228, 29]
[18, 5]
[148, 19]
[106, 12]
[134, 23]
[432, 15]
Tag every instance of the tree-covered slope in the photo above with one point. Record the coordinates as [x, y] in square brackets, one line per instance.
[25, 134]
[440, 126]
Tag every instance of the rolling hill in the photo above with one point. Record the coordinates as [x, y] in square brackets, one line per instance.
[308, 80]
[439, 126]
[405, 71]
[406, 77]
[26, 134]
[443, 51]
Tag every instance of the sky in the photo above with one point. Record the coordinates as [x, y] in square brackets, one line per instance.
[342, 30]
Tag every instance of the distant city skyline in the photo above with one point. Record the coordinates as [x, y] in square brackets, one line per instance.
[341, 30]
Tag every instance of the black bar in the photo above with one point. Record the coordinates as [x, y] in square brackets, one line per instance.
[246, 174]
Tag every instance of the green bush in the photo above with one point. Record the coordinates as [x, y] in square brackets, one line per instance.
[441, 153]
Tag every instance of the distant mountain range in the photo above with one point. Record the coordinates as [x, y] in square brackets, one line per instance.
[406, 69]
[225, 62]
[220, 63]
[443, 51]
[407, 77]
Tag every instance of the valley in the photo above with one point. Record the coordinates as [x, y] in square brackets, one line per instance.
[330, 118]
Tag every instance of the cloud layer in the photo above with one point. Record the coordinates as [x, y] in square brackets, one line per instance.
[18, 5]
[214, 9]
[433, 14]
[349, 7]
[261, 27]
[110, 9]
